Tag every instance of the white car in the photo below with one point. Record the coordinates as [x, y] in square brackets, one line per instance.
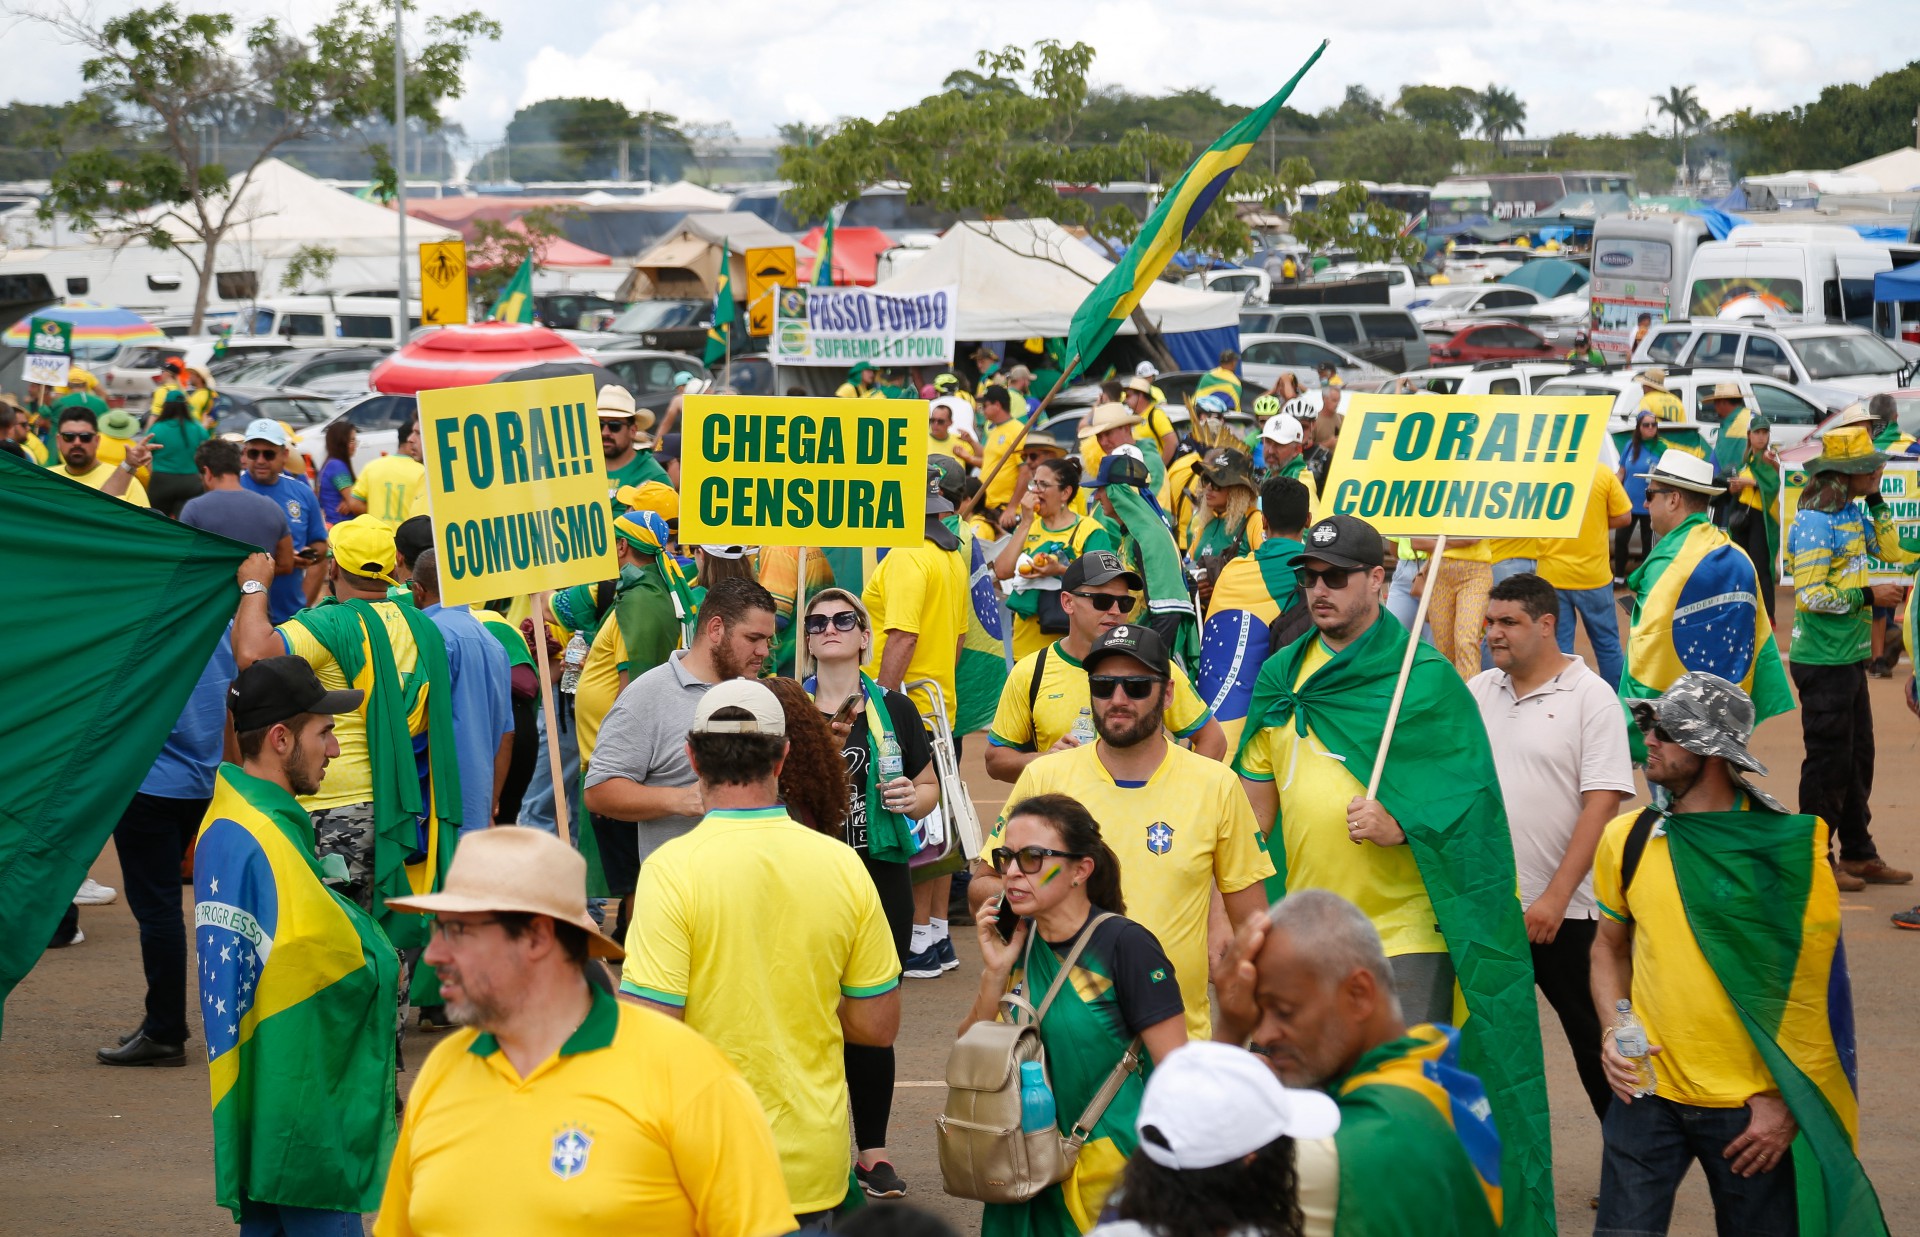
[1486, 378]
[1263, 358]
[1484, 263]
[1443, 304]
[1250, 282]
[1792, 411]
[1834, 361]
[1401, 288]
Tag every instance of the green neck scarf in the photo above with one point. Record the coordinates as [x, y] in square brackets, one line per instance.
[889, 834]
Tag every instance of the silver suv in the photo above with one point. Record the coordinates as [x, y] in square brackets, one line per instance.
[1833, 362]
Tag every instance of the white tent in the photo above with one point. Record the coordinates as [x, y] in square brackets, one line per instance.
[1025, 277]
[683, 195]
[1897, 171]
[283, 208]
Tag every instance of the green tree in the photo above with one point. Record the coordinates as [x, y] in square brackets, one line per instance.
[1682, 106]
[1360, 107]
[580, 139]
[167, 71]
[1348, 218]
[1394, 149]
[799, 133]
[1501, 112]
[1845, 124]
[1452, 106]
[497, 249]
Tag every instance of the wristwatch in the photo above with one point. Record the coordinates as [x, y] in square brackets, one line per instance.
[251, 587]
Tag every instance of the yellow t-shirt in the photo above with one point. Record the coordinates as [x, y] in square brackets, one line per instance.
[598, 686]
[103, 473]
[999, 441]
[1500, 549]
[636, 1124]
[1187, 830]
[1708, 1059]
[776, 567]
[35, 449]
[1584, 561]
[1064, 695]
[349, 777]
[391, 486]
[922, 592]
[1147, 434]
[1315, 786]
[955, 446]
[1027, 636]
[1664, 405]
[708, 907]
[1479, 552]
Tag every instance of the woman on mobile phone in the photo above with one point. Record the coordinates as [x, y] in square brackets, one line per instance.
[877, 729]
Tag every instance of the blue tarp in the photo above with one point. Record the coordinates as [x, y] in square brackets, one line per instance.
[1881, 232]
[1718, 222]
[1200, 350]
[1550, 277]
[1902, 284]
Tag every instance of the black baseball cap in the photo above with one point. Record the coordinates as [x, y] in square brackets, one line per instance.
[413, 538]
[1135, 640]
[1097, 568]
[1345, 541]
[275, 689]
[946, 477]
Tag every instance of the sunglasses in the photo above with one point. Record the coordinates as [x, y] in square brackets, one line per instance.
[845, 620]
[612, 427]
[66, 437]
[1030, 858]
[1139, 686]
[1334, 578]
[254, 454]
[1658, 733]
[1104, 602]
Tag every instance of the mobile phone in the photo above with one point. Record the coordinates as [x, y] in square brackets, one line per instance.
[844, 715]
[1006, 919]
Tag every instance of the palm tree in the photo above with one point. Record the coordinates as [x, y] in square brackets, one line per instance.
[1501, 112]
[1683, 107]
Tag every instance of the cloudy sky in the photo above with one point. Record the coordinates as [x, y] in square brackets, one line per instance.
[758, 63]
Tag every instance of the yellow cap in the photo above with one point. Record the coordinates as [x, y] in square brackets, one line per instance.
[660, 499]
[80, 379]
[363, 546]
[1848, 449]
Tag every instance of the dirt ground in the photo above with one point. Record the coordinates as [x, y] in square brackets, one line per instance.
[85, 1147]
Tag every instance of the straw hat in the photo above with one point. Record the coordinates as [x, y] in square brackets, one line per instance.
[1106, 417]
[1140, 386]
[1727, 390]
[1654, 379]
[518, 870]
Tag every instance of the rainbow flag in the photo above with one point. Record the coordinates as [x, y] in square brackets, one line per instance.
[1762, 903]
[1166, 229]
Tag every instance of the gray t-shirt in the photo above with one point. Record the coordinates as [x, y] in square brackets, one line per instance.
[644, 739]
[239, 514]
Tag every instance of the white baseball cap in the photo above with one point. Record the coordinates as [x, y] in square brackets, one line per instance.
[265, 429]
[749, 694]
[1282, 429]
[1209, 1104]
[1145, 369]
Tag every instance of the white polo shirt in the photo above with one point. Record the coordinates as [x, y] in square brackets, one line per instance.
[1564, 738]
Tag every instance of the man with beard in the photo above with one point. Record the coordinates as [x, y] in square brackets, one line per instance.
[1308, 987]
[1176, 819]
[625, 445]
[265, 452]
[641, 787]
[557, 1109]
[78, 438]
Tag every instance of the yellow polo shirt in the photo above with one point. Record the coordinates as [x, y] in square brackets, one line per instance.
[391, 486]
[635, 1125]
[1064, 694]
[1315, 787]
[349, 776]
[709, 908]
[1187, 830]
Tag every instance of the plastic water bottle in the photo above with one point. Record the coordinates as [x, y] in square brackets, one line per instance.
[1630, 1040]
[1036, 1099]
[574, 658]
[1083, 732]
[891, 764]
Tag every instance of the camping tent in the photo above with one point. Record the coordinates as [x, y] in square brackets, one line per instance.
[1897, 171]
[1900, 284]
[686, 264]
[283, 210]
[1550, 277]
[683, 196]
[1019, 278]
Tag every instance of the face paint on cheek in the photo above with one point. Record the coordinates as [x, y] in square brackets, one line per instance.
[1048, 878]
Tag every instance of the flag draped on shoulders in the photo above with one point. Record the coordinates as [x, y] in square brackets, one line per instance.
[1146, 543]
[297, 991]
[984, 659]
[1251, 593]
[1698, 608]
[1765, 911]
[1441, 786]
[82, 731]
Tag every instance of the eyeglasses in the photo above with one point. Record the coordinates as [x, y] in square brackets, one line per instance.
[459, 929]
[844, 620]
[1335, 578]
[271, 454]
[66, 437]
[1104, 602]
[1139, 686]
[1030, 858]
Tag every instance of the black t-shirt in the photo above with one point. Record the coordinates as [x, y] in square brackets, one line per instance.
[916, 752]
[1145, 992]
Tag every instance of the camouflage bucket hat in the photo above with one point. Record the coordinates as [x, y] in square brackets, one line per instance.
[1706, 715]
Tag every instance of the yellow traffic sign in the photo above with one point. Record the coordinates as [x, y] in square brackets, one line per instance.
[768, 269]
[443, 283]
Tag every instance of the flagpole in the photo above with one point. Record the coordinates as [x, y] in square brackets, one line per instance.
[1013, 449]
[799, 613]
[1406, 667]
[542, 607]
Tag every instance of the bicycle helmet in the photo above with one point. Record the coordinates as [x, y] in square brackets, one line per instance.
[1266, 406]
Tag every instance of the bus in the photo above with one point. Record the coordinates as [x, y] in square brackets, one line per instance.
[1516, 195]
[1640, 265]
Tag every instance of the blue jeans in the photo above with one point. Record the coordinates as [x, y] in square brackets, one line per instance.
[1501, 570]
[275, 1220]
[1597, 610]
[536, 808]
[1401, 603]
[1649, 1145]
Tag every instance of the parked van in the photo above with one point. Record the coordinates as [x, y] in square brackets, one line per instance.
[1640, 263]
[1382, 334]
[324, 321]
[1795, 274]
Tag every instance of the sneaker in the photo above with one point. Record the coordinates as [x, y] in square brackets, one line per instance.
[924, 965]
[1879, 670]
[77, 938]
[1875, 872]
[93, 893]
[1908, 919]
[434, 1018]
[880, 1181]
[948, 959]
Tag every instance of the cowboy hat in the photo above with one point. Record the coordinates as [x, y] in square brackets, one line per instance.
[1654, 379]
[1726, 390]
[521, 871]
[1682, 471]
[1849, 449]
[1106, 417]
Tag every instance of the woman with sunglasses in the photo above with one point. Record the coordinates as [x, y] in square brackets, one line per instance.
[1062, 881]
[1049, 536]
[876, 727]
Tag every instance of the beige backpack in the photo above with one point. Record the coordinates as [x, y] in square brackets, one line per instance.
[984, 1155]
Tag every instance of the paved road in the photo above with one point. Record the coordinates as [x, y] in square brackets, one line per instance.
[126, 1151]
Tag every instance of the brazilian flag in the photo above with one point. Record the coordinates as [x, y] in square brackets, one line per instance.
[1114, 299]
[1698, 607]
[823, 260]
[984, 657]
[299, 992]
[516, 299]
[1248, 596]
[1762, 903]
[1439, 783]
[720, 334]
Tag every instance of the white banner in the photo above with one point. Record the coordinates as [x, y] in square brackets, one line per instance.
[841, 327]
[47, 369]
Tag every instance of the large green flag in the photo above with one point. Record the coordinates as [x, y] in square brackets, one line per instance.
[721, 332]
[114, 610]
[516, 299]
[1114, 299]
[1440, 784]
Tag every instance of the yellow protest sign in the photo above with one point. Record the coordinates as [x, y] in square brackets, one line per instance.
[517, 488]
[1467, 465]
[767, 270]
[767, 470]
[443, 283]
